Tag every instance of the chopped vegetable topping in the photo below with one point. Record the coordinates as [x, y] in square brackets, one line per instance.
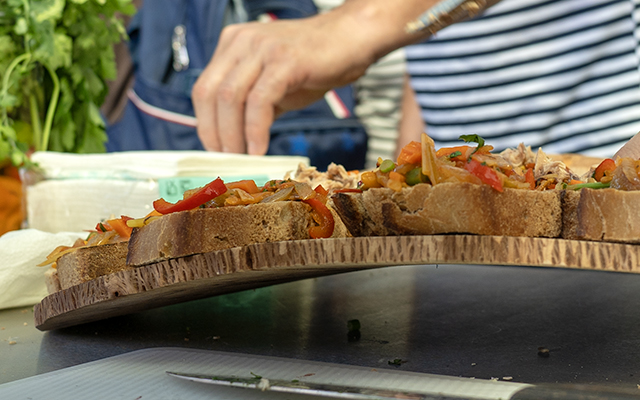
[605, 169]
[590, 185]
[323, 217]
[513, 168]
[416, 176]
[348, 191]
[473, 139]
[120, 226]
[210, 191]
[248, 185]
[410, 154]
[531, 180]
[387, 166]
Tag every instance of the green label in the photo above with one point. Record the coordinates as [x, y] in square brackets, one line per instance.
[171, 189]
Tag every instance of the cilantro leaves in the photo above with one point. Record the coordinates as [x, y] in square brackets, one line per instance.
[473, 139]
[55, 58]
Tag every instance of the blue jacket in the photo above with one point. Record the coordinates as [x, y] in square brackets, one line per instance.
[159, 114]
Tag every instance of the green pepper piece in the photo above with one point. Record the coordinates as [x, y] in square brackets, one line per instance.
[387, 166]
[416, 176]
[590, 185]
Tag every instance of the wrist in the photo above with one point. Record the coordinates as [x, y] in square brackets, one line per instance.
[378, 27]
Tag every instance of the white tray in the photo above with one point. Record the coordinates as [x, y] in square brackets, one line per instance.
[141, 375]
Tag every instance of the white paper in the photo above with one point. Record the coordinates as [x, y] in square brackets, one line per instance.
[143, 165]
[79, 204]
[22, 282]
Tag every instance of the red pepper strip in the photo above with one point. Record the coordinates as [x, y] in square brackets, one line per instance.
[531, 180]
[325, 229]
[348, 191]
[321, 194]
[210, 191]
[607, 165]
[486, 174]
[321, 190]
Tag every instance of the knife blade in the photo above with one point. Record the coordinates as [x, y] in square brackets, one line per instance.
[504, 390]
[319, 389]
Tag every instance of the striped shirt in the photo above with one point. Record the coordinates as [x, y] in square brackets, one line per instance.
[560, 74]
[379, 99]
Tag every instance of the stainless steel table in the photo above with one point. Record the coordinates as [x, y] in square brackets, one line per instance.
[459, 320]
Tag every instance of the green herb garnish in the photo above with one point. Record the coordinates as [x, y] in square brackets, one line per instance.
[473, 139]
[454, 154]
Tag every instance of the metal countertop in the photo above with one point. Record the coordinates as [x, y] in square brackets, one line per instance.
[458, 320]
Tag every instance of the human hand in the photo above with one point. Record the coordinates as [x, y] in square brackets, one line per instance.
[262, 70]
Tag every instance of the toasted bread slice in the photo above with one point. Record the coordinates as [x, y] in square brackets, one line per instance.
[570, 200]
[451, 208]
[609, 215]
[88, 263]
[203, 230]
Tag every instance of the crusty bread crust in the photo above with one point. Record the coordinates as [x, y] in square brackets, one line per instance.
[88, 263]
[451, 208]
[609, 215]
[51, 280]
[570, 199]
[208, 229]
[187, 233]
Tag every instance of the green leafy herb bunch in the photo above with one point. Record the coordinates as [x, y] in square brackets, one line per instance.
[55, 59]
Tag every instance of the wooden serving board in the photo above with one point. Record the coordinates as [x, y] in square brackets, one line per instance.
[209, 274]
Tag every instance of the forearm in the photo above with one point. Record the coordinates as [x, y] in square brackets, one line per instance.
[380, 26]
[411, 124]
[292, 64]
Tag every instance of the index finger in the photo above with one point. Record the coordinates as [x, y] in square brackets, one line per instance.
[205, 89]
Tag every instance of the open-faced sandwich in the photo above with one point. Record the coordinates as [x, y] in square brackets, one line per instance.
[471, 190]
[466, 189]
[214, 217]
[606, 206]
[463, 189]
[220, 216]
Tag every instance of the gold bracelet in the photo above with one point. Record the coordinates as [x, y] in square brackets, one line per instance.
[445, 13]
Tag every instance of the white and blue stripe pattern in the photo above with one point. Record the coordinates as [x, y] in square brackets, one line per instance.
[561, 74]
